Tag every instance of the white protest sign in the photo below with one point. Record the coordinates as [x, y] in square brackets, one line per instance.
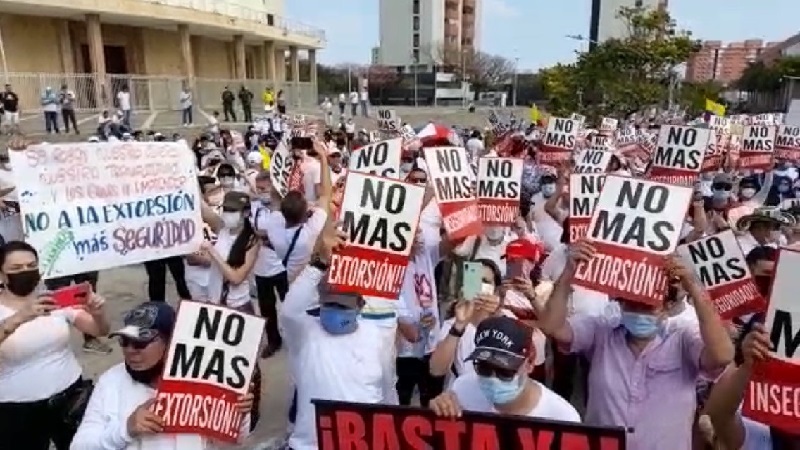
[559, 140]
[388, 121]
[584, 191]
[452, 178]
[380, 158]
[627, 136]
[758, 145]
[380, 217]
[211, 358]
[608, 126]
[95, 206]
[720, 265]
[579, 117]
[592, 160]
[499, 189]
[679, 154]
[787, 143]
[635, 224]
[280, 166]
[772, 394]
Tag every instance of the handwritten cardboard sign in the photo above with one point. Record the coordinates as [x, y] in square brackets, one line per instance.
[280, 167]
[559, 140]
[380, 217]
[345, 426]
[379, 158]
[679, 154]
[787, 143]
[499, 189]
[95, 206]
[758, 146]
[719, 264]
[452, 180]
[584, 191]
[210, 362]
[635, 224]
[772, 394]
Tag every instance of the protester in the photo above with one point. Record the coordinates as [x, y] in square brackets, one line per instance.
[227, 104]
[66, 99]
[186, 106]
[50, 108]
[42, 391]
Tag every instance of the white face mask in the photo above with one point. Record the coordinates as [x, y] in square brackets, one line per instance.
[226, 181]
[494, 233]
[748, 193]
[231, 219]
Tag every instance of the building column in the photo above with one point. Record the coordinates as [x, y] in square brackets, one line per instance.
[187, 56]
[260, 59]
[65, 47]
[94, 36]
[280, 66]
[312, 62]
[269, 54]
[239, 58]
[294, 62]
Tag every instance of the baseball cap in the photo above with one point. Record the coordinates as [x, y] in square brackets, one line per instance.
[723, 177]
[147, 321]
[328, 296]
[502, 342]
[255, 157]
[235, 201]
[523, 249]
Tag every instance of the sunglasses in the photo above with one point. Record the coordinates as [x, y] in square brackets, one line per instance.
[133, 343]
[722, 186]
[484, 369]
[418, 180]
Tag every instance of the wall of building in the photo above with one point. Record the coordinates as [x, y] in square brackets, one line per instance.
[212, 58]
[162, 52]
[396, 28]
[31, 44]
[610, 26]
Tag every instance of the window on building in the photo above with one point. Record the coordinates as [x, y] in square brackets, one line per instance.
[416, 7]
[270, 20]
[416, 23]
[415, 55]
[416, 39]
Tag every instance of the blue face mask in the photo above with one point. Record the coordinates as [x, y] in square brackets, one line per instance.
[640, 325]
[336, 320]
[783, 188]
[548, 189]
[500, 392]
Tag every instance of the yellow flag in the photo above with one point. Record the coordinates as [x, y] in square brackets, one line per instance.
[264, 157]
[715, 108]
[534, 113]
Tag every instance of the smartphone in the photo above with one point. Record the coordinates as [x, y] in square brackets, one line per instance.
[302, 143]
[514, 269]
[472, 280]
[74, 295]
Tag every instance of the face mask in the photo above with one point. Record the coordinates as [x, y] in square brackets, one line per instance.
[763, 283]
[406, 167]
[720, 195]
[494, 233]
[548, 189]
[226, 181]
[640, 325]
[338, 321]
[147, 376]
[501, 392]
[783, 188]
[231, 219]
[23, 283]
[748, 193]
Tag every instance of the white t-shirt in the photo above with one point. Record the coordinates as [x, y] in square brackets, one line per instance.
[238, 294]
[547, 228]
[342, 98]
[124, 99]
[268, 263]
[312, 176]
[36, 361]
[354, 98]
[486, 250]
[475, 147]
[418, 297]
[550, 405]
[364, 96]
[281, 237]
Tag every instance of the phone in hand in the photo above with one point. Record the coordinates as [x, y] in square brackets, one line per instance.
[515, 268]
[472, 280]
[69, 296]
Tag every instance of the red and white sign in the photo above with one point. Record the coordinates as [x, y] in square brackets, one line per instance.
[209, 365]
[715, 152]
[584, 191]
[280, 168]
[380, 217]
[635, 224]
[679, 154]
[592, 160]
[719, 264]
[787, 143]
[608, 126]
[380, 158]
[627, 136]
[452, 178]
[559, 140]
[773, 394]
[758, 146]
[499, 190]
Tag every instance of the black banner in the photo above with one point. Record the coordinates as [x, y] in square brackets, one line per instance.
[356, 426]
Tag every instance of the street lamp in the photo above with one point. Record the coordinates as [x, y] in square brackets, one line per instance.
[415, 59]
[516, 78]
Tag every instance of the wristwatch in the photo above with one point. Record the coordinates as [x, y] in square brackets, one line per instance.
[455, 332]
[318, 263]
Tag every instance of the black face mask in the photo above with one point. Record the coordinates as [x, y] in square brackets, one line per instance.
[23, 283]
[763, 283]
[147, 376]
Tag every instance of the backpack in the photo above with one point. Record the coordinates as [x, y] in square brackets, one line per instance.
[449, 276]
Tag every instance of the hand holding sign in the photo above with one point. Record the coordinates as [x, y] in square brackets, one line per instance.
[330, 240]
[144, 421]
[446, 405]
[756, 344]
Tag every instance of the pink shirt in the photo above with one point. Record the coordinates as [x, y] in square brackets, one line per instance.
[653, 394]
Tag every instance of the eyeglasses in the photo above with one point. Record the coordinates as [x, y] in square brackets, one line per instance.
[133, 343]
[484, 369]
[722, 186]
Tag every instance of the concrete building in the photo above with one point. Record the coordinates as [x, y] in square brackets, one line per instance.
[789, 47]
[421, 31]
[723, 63]
[155, 47]
[604, 23]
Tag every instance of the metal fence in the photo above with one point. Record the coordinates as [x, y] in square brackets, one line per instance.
[148, 93]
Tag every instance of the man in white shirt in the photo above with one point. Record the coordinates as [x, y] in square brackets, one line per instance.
[503, 358]
[353, 103]
[124, 103]
[342, 103]
[364, 103]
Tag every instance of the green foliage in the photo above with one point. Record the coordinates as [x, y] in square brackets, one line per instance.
[762, 77]
[693, 95]
[621, 75]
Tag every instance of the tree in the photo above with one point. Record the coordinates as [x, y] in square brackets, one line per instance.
[762, 77]
[620, 76]
[483, 70]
